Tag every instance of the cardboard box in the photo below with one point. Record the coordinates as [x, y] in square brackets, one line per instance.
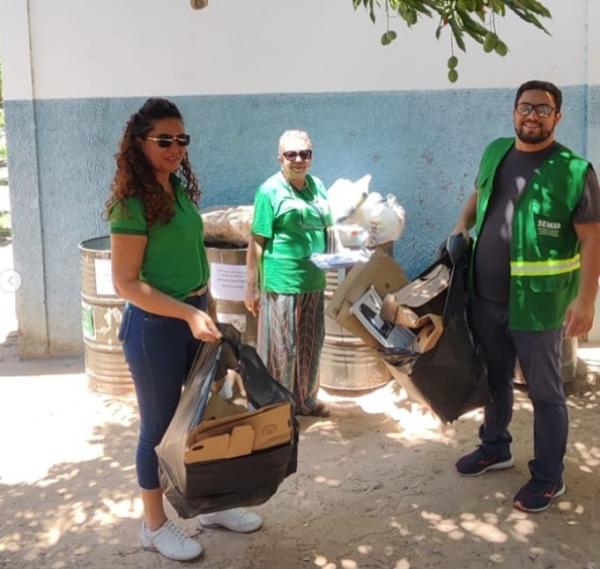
[238, 443]
[425, 288]
[218, 408]
[242, 433]
[383, 273]
[430, 332]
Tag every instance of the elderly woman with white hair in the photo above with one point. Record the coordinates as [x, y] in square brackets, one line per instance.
[284, 287]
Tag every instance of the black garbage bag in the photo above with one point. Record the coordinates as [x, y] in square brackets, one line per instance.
[217, 485]
[451, 378]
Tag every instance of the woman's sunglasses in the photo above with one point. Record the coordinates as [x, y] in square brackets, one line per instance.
[293, 154]
[166, 140]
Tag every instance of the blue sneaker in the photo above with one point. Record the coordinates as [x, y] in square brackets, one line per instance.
[479, 462]
[537, 495]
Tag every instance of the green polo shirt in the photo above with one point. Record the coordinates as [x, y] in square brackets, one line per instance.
[293, 224]
[175, 258]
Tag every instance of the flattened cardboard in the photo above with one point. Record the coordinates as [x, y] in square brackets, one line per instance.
[397, 314]
[432, 328]
[383, 273]
[218, 407]
[238, 443]
[270, 426]
[422, 290]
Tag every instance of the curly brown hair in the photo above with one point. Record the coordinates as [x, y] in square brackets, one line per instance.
[135, 176]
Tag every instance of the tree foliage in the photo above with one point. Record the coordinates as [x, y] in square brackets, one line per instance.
[475, 19]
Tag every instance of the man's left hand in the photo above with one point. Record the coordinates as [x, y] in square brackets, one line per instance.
[579, 318]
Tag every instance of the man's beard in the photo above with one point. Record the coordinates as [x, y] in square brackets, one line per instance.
[531, 138]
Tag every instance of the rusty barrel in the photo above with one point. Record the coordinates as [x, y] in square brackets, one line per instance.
[227, 287]
[101, 314]
[347, 363]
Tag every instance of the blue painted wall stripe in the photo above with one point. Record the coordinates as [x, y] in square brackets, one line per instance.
[422, 146]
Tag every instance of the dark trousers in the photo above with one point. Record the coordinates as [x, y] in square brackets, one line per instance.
[159, 351]
[539, 354]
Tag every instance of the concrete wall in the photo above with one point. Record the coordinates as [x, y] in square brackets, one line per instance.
[75, 70]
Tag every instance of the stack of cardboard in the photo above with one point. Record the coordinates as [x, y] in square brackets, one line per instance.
[420, 329]
[378, 304]
[230, 430]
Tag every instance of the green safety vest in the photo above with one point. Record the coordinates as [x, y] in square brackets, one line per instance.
[544, 250]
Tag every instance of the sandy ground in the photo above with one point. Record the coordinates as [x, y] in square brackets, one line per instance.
[376, 486]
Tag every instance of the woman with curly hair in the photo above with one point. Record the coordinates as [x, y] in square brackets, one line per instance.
[160, 267]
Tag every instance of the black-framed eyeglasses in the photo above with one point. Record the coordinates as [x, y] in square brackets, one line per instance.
[542, 110]
[166, 140]
[293, 154]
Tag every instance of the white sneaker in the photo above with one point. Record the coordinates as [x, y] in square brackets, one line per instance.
[237, 519]
[170, 541]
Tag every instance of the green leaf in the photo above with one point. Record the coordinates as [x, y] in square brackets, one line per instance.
[473, 28]
[457, 33]
[372, 11]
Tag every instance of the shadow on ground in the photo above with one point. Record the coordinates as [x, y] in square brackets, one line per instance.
[374, 490]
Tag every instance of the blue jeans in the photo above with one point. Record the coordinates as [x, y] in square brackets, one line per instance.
[159, 351]
[539, 354]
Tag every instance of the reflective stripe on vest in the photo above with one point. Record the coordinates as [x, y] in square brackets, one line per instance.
[544, 268]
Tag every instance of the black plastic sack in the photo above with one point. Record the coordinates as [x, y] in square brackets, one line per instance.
[221, 484]
[451, 378]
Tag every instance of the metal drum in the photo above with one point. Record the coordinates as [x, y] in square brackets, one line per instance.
[227, 286]
[347, 363]
[101, 314]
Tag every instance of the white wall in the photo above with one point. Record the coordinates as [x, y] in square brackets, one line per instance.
[15, 50]
[111, 48]
[593, 42]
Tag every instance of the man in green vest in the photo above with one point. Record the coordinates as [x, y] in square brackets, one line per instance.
[534, 277]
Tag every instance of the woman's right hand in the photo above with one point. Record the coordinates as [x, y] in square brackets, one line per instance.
[252, 300]
[202, 326]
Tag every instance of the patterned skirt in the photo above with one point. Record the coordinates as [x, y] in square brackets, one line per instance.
[290, 338]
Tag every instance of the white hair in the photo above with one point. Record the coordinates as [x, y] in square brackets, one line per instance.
[294, 133]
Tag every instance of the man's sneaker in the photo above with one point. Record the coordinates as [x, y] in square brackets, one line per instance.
[238, 520]
[479, 462]
[170, 541]
[537, 495]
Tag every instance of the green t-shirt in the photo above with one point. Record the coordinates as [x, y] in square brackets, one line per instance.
[175, 258]
[293, 224]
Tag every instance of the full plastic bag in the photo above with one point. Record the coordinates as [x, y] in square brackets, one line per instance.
[352, 235]
[383, 218]
[363, 218]
[345, 196]
[218, 485]
[451, 378]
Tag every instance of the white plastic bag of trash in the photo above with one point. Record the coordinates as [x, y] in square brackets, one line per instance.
[363, 218]
[345, 197]
[384, 217]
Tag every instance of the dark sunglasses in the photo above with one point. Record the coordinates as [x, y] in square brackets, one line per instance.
[293, 154]
[542, 110]
[166, 140]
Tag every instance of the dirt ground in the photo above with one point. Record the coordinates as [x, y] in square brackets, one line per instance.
[376, 487]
